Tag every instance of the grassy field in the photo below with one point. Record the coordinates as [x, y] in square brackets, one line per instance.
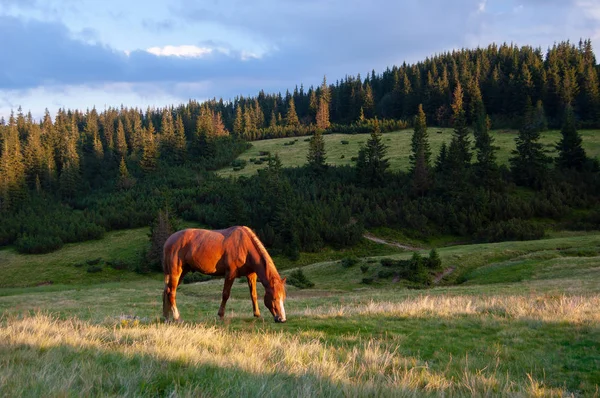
[399, 147]
[523, 321]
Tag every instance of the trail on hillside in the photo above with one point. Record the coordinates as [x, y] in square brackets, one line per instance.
[386, 242]
[437, 278]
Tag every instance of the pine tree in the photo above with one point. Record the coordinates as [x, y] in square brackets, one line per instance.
[70, 173]
[316, 152]
[371, 165]
[150, 152]
[420, 158]
[167, 137]
[120, 141]
[459, 152]
[485, 167]
[322, 117]
[291, 117]
[238, 124]
[529, 162]
[12, 168]
[180, 144]
[571, 154]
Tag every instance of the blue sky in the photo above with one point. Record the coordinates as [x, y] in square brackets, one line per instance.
[85, 53]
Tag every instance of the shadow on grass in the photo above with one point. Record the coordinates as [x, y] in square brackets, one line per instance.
[64, 370]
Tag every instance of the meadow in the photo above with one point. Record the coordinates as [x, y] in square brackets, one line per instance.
[341, 148]
[508, 319]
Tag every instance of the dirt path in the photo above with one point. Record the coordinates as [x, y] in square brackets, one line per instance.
[395, 244]
[437, 278]
[441, 275]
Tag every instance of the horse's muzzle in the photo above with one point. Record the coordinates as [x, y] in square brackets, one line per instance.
[279, 320]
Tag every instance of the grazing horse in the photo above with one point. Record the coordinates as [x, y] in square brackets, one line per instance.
[233, 252]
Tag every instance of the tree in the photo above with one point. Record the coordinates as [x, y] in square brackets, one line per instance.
[179, 143]
[571, 154]
[371, 165]
[485, 166]
[322, 117]
[162, 227]
[291, 117]
[150, 152]
[238, 123]
[120, 141]
[420, 158]
[529, 162]
[459, 152]
[316, 152]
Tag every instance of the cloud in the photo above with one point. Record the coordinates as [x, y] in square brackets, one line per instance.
[180, 51]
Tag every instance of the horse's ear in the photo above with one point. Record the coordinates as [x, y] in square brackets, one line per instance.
[283, 280]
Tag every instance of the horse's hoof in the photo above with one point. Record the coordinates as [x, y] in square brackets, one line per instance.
[257, 315]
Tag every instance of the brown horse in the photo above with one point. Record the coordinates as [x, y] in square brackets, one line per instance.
[233, 252]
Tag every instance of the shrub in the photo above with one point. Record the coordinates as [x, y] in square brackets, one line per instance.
[364, 268]
[264, 153]
[93, 269]
[434, 261]
[345, 142]
[349, 261]
[513, 229]
[239, 164]
[38, 244]
[386, 273]
[298, 279]
[94, 261]
[193, 277]
[117, 264]
[367, 281]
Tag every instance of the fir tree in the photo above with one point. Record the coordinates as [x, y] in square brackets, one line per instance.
[150, 152]
[571, 154]
[120, 141]
[291, 117]
[371, 165]
[459, 152]
[420, 158]
[529, 162]
[316, 152]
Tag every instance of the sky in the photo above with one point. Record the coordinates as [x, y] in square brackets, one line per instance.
[80, 54]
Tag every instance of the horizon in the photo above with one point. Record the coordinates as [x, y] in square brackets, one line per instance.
[85, 55]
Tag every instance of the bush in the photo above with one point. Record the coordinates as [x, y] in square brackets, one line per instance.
[386, 273]
[193, 277]
[434, 261]
[264, 153]
[38, 244]
[345, 142]
[117, 264]
[93, 269]
[94, 261]
[239, 163]
[298, 279]
[367, 281]
[513, 229]
[349, 262]
[364, 268]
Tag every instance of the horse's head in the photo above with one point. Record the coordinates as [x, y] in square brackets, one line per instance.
[274, 299]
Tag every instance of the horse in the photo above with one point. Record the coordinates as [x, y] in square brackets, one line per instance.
[233, 252]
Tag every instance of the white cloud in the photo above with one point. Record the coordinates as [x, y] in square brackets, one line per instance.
[186, 51]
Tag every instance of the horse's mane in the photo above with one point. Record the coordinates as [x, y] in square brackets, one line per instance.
[269, 265]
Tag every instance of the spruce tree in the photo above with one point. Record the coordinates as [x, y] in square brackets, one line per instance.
[150, 152]
[529, 162]
[459, 152]
[571, 154]
[120, 141]
[316, 152]
[371, 165]
[291, 117]
[420, 158]
[180, 144]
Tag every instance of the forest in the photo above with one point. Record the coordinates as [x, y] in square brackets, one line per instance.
[75, 175]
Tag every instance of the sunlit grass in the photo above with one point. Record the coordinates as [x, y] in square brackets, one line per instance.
[495, 334]
[398, 143]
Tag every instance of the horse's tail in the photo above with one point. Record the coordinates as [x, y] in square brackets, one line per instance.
[261, 248]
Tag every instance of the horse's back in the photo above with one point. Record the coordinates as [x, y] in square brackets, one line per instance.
[201, 249]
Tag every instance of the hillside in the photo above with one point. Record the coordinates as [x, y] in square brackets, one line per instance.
[341, 154]
[524, 321]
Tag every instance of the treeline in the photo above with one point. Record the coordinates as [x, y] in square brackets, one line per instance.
[81, 174]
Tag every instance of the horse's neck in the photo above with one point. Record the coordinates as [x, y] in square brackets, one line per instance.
[266, 271]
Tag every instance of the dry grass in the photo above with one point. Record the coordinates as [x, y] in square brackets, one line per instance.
[270, 363]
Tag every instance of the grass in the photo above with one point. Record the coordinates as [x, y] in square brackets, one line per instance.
[399, 148]
[524, 321]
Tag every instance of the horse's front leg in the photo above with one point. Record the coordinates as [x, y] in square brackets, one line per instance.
[226, 292]
[169, 297]
[252, 286]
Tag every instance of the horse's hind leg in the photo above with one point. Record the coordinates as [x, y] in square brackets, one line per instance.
[225, 297]
[169, 294]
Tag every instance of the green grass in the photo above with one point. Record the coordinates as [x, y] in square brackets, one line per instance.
[399, 147]
[524, 321]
